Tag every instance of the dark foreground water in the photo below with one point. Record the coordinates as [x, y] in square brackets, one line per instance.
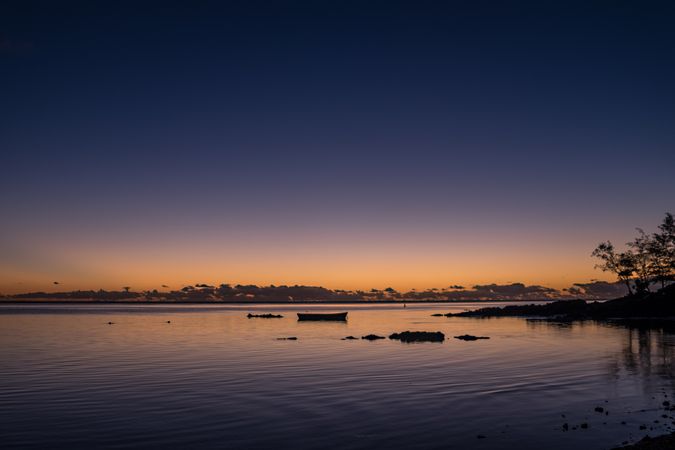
[214, 379]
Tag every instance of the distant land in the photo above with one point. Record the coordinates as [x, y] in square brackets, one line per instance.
[227, 293]
[640, 305]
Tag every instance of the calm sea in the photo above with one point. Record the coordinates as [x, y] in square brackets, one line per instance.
[211, 378]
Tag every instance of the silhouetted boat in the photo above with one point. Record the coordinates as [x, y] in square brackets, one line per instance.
[320, 316]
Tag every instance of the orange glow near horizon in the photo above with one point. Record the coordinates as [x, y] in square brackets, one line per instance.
[402, 264]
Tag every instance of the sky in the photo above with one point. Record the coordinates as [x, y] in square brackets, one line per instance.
[346, 144]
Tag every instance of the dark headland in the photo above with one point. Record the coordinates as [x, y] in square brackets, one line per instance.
[640, 306]
[666, 442]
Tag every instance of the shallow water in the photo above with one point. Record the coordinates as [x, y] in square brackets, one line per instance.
[214, 379]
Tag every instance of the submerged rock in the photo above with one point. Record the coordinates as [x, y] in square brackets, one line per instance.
[349, 338]
[418, 336]
[291, 338]
[437, 315]
[372, 337]
[469, 337]
[649, 443]
[599, 409]
[264, 316]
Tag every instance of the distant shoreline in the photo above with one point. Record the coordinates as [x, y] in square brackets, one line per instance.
[14, 301]
[643, 305]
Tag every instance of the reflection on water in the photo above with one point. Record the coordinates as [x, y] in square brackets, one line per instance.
[211, 378]
[647, 353]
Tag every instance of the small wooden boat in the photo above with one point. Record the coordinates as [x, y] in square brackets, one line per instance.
[323, 316]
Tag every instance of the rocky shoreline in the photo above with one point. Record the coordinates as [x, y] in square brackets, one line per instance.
[657, 305]
[665, 442]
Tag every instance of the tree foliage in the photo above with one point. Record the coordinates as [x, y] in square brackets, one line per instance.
[649, 258]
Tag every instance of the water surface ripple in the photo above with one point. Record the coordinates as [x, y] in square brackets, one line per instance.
[211, 378]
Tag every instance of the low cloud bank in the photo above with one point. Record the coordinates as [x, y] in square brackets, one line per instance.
[251, 293]
[598, 289]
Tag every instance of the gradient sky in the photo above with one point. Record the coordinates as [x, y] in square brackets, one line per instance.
[347, 144]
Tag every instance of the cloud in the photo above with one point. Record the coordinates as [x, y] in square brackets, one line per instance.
[512, 291]
[593, 290]
[598, 290]
[516, 290]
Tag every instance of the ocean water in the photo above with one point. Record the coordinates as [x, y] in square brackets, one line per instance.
[211, 378]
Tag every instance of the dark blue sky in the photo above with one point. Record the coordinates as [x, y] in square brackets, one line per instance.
[270, 121]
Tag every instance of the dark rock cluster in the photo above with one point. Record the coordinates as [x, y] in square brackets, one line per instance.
[372, 337]
[418, 336]
[469, 337]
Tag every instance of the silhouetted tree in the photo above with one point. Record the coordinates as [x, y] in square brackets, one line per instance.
[663, 249]
[126, 288]
[621, 264]
[650, 258]
[666, 239]
[643, 260]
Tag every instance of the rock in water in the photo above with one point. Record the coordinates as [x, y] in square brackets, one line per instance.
[469, 337]
[372, 337]
[264, 316]
[419, 336]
